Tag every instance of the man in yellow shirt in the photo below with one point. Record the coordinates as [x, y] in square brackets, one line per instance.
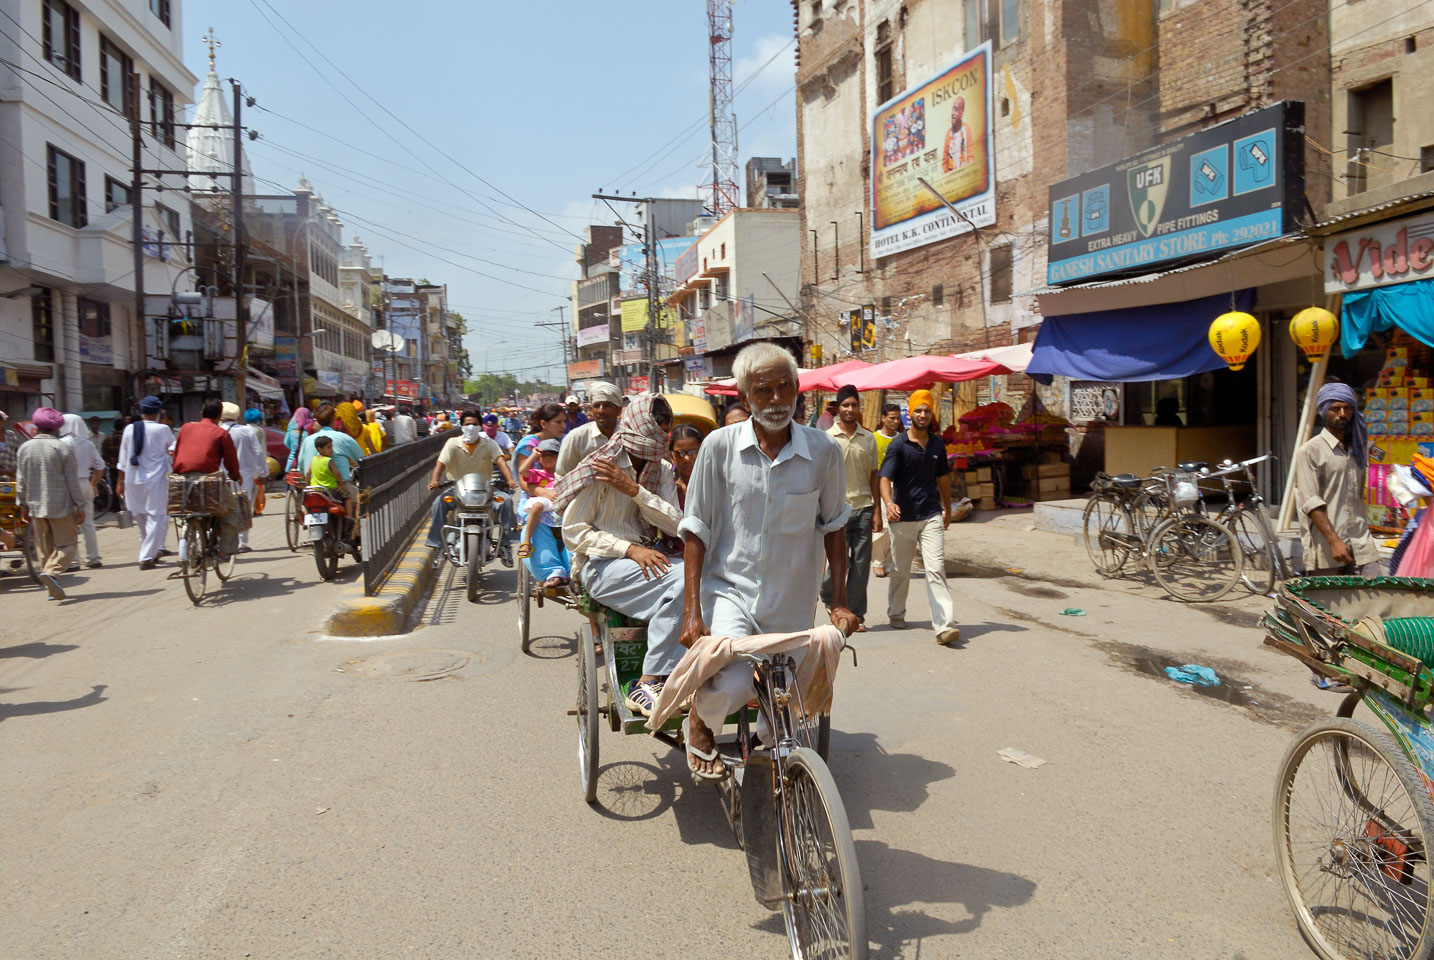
[472, 451]
[858, 451]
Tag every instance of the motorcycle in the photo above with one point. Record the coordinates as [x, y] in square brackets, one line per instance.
[326, 520]
[475, 537]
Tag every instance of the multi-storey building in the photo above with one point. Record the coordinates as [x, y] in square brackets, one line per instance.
[69, 331]
[993, 106]
[596, 333]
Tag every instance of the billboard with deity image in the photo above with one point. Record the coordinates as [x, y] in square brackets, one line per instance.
[939, 131]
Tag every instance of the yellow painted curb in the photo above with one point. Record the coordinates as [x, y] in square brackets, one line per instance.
[389, 611]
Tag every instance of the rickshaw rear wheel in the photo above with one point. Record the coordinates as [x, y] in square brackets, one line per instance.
[587, 714]
[525, 606]
[1352, 822]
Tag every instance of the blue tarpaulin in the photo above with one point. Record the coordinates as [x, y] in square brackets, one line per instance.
[1408, 306]
[1159, 342]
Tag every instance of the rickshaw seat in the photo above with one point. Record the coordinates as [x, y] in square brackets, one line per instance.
[606, 615]
[1411, 635]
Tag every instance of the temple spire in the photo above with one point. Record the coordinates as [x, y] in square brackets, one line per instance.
[213, 42]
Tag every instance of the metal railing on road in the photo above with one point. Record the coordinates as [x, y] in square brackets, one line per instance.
[395, 483]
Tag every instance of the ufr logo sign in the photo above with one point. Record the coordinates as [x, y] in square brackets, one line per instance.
[1148, 185]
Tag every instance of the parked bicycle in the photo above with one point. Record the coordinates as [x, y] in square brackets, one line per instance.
[1249, 521]
[1161, 520]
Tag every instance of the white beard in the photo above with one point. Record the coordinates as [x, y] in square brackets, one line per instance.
[774, 419]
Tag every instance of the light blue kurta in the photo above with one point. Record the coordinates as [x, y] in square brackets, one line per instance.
[763, 522]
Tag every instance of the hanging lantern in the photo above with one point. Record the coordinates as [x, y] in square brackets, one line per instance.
[1234, 336]
[1313, 330]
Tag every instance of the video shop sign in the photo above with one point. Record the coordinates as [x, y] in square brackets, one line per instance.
[1380, 254]
[1234, 184]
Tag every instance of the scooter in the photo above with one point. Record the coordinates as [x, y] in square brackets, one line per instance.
[475, 537]
[326, 523]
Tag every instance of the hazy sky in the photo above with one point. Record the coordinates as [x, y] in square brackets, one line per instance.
[510, 104]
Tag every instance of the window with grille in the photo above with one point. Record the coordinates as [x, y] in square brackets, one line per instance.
[42, 325]
[61, 29]
[938, 295]
[116, 194]
[115, 69]
[67, 187]
[161, 113]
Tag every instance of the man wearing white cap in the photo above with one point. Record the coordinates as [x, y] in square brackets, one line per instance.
[578, 443]
[252, 459]
[576, 417]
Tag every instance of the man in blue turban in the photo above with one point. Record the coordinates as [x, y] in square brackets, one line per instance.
[1330, 473]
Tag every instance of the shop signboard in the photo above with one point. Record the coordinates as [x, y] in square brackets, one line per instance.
[744, 319]
[634, 316]
[585, 369]
[668, 252]
[286, 359]
[627, 356]
[939, 131]
[1234, 184]
[594, 335]
[698, 368]
[636, 385]
[686, 265]
[861, 325]
[1392, 252]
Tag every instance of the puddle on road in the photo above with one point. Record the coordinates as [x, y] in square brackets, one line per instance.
[1264, 705]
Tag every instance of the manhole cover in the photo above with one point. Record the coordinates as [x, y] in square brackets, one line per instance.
[410, 664]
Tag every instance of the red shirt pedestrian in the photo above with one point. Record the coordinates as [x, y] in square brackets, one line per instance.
[202, 446]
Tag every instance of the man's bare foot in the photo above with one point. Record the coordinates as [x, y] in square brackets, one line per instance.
[701, 740]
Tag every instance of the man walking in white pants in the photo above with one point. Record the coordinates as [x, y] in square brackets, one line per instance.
[916, 495]
[143, 465]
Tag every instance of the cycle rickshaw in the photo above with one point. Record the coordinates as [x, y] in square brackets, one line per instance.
[779, 797]
[1353, 816]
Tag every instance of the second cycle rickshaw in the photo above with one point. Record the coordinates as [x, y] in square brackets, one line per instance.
[1353, 817]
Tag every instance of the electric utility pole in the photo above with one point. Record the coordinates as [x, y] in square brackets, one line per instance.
[650, 281]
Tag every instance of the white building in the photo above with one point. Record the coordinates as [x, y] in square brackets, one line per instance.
[68, 330]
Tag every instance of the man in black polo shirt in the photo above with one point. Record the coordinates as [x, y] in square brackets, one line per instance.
[916, 495]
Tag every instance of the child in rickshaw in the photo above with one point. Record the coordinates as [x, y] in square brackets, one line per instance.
[542, 547]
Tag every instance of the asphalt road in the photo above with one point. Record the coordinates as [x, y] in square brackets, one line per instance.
[224, 781]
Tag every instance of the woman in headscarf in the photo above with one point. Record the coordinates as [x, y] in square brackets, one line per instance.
[549, 422]
[300, 426]
[372, 439]
[348, 416]
[89, 467]
[616, 503]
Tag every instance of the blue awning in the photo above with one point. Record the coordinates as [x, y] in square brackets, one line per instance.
[1159, 342]
[1408, 306]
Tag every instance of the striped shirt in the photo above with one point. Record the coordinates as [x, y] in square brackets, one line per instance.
[601, 522]
[45, 478]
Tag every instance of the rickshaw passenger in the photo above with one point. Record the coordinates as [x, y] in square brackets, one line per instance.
[615, 503]
[766, 502]
[542, 547]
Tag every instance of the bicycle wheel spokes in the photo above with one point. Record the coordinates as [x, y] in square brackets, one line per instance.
[1194, 558]
[1351, 825]
[1108, 534]
[195, 561]
[824, 909]
[1258, 550]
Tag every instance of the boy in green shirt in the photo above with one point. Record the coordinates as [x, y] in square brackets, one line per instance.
[326, 470]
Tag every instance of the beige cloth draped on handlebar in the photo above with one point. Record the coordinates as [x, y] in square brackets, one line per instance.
[816, 671]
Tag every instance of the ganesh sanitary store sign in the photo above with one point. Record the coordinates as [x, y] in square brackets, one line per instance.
[1231, 185]
[939, 131]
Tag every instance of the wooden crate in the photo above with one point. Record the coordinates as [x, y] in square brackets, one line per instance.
[983, 475]
[1045, 471]
[1053, 484]
[984, 491]
[986, 503]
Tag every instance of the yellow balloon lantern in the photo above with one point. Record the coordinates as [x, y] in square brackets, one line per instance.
[1234, 336]
[1313, 330]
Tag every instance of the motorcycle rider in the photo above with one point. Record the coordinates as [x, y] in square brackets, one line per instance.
[472, 451]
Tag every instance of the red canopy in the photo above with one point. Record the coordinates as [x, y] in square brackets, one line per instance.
[827, 378]
[911, 373]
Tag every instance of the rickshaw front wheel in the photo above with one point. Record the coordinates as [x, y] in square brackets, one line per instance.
[1352, 822]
